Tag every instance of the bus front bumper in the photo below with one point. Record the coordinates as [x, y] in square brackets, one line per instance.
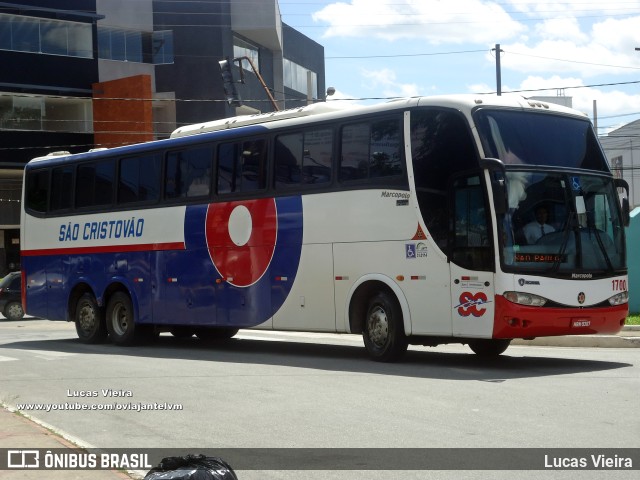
[520, 321]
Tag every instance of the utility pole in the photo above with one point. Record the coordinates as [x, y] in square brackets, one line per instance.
[498, 73]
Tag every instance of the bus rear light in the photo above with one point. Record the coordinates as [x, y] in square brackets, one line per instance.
[528, 299]
[619, 299]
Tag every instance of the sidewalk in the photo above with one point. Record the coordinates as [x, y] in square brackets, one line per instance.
[18, 432]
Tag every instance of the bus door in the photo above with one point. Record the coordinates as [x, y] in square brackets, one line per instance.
[471, 259]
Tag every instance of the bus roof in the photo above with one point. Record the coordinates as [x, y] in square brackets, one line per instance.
[469, 101]
[333, 110]
[244, 120]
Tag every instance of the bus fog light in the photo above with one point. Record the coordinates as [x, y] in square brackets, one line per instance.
[528, 299]
[619, 299]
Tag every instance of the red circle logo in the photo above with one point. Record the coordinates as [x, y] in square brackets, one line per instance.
[241, 238]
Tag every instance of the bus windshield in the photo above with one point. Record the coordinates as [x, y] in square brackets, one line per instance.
[534, 138]
[565, 224]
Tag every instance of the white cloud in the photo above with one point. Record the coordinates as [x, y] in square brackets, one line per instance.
[572, 8]
[437, 21]
[619, 35]
[386, 82]
[561, 29]
[563, 56]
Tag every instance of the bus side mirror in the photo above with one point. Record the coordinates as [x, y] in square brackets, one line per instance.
[626, 212]
[626, 209]
[497, 174]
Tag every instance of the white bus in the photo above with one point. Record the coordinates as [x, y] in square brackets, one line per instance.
[406, 222]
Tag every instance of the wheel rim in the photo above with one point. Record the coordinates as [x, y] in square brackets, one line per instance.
[15, 310]
[120, 319]
[378, 326]
[87, 318]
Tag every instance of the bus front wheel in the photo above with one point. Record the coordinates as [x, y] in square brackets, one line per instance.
[383, 330]
[489, 347]
[120, 319]
[89, 322]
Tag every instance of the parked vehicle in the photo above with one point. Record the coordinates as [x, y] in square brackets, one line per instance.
[10, 296]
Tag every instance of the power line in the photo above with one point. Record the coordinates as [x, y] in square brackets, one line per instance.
[571, 61]
[351, 57]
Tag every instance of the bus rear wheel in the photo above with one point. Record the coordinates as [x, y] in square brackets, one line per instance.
[120, 319]
[90, 325]
[383, 330]
[489, 348]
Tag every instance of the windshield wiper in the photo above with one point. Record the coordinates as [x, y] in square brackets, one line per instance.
[602, 247]
[572, 223]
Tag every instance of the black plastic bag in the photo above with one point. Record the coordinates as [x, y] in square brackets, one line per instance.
[192, 467]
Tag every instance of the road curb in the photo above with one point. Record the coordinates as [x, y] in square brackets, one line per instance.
[629, 337]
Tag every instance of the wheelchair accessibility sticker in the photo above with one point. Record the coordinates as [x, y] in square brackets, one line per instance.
[416, 250]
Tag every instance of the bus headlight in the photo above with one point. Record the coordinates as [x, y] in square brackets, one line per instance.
[528, 299]
[619, 299]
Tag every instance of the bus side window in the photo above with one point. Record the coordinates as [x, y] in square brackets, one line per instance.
[288, 159]
[242, 166]
[471, 244]
[94, 183]
[188, 173]
[371, 150]
[441, 147]
[139, 179]
[37, 190]
[303, 158]
[61, 188]
[227, 166]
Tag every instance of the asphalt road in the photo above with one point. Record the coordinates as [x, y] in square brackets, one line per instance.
[284, 390]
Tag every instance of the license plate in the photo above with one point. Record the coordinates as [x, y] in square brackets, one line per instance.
[581, 323]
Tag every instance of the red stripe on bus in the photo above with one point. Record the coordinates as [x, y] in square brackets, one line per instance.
[105, 249]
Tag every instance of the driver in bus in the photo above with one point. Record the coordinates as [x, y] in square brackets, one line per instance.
[539, 227]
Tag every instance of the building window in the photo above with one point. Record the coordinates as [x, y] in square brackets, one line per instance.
[128, 45]
[28, 112]
[296, 77]
[162, 47]
[53, 37]
[245, 49]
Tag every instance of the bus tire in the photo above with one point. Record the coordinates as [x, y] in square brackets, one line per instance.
[13, 311]
[120, 319]
[489, 348]
[90, 325]
[215, 334]
[383, 329]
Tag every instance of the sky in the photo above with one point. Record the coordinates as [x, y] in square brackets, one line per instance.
[380, 49]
